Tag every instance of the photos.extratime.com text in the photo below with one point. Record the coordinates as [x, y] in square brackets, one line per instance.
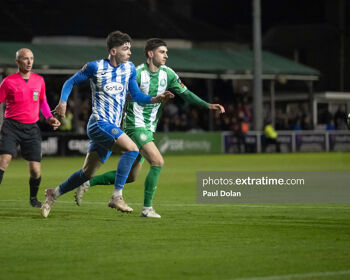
[273, 187]
[261, 181]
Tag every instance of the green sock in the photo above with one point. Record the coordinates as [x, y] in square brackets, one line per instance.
[151, 184]
[103, 179]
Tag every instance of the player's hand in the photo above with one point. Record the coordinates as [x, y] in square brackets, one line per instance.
[218, 109]
[60, 111]
[163, 98]
[55, 123]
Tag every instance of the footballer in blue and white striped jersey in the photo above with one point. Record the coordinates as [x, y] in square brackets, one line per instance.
[109, 86]
[110, 80]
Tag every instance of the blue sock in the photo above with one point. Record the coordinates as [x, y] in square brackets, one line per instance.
[125, 163]
[74, 181]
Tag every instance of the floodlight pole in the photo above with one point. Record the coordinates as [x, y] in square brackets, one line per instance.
[2, 108]
[257, 81]
[342, 44]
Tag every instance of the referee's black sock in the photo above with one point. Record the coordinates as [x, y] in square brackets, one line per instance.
[1, 175]
[34, 187]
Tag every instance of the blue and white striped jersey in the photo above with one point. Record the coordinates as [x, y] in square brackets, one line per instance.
[109, 85]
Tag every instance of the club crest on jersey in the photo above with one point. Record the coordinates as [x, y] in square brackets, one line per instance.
[35, 95]
[113, 88]
[162, 82]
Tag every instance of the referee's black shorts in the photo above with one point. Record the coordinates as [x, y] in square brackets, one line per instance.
[27, 135]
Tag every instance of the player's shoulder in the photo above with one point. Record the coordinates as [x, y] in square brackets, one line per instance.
[36, 76]
[5, 81]
[92, 65]
[129, 67]
[168, 70]
[141, 66]
[11, 77]
[129, 64]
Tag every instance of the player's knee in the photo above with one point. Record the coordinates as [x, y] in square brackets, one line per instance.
[92, 164]
[5, 161]
[34, 170]
[157, 161]
[132, 147]
[34, 174]
[89, 173]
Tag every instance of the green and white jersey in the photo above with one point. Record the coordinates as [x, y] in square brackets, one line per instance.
[153, 84]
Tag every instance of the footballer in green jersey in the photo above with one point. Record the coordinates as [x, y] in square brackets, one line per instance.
[140, 121]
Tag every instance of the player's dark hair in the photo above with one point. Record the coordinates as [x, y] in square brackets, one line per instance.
[116, 39]
[152, 44]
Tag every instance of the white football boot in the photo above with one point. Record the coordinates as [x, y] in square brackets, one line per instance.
[149, 212]
[118, 203]
[78, 196]
[49, 201]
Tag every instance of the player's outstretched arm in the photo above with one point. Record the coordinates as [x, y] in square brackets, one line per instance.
[60, 110]
[219, 109]
[163, 98]
[192, 98]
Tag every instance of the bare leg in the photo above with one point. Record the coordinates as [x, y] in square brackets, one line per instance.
[5, 160]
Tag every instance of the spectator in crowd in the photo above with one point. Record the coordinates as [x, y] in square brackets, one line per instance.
[340, 118]
[67, 121]
[270, 137]
[330, 125]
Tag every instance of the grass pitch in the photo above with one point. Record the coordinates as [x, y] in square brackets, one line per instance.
[190, 241]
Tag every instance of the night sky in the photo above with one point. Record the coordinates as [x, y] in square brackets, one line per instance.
[312, 29]
[21, 21]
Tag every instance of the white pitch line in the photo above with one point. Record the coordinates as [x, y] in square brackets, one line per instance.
[299, 276]
[210, 205]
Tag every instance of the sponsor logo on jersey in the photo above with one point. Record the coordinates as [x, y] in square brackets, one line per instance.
[113, 88]
[181, 83]
[35, 95]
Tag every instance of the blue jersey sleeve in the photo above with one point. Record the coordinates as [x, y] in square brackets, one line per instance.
[136, 94]
[81, 76]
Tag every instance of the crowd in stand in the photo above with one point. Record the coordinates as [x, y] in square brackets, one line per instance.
[238, 118]
[178, 116]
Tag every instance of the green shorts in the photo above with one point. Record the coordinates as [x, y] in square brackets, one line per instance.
[140, 136]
